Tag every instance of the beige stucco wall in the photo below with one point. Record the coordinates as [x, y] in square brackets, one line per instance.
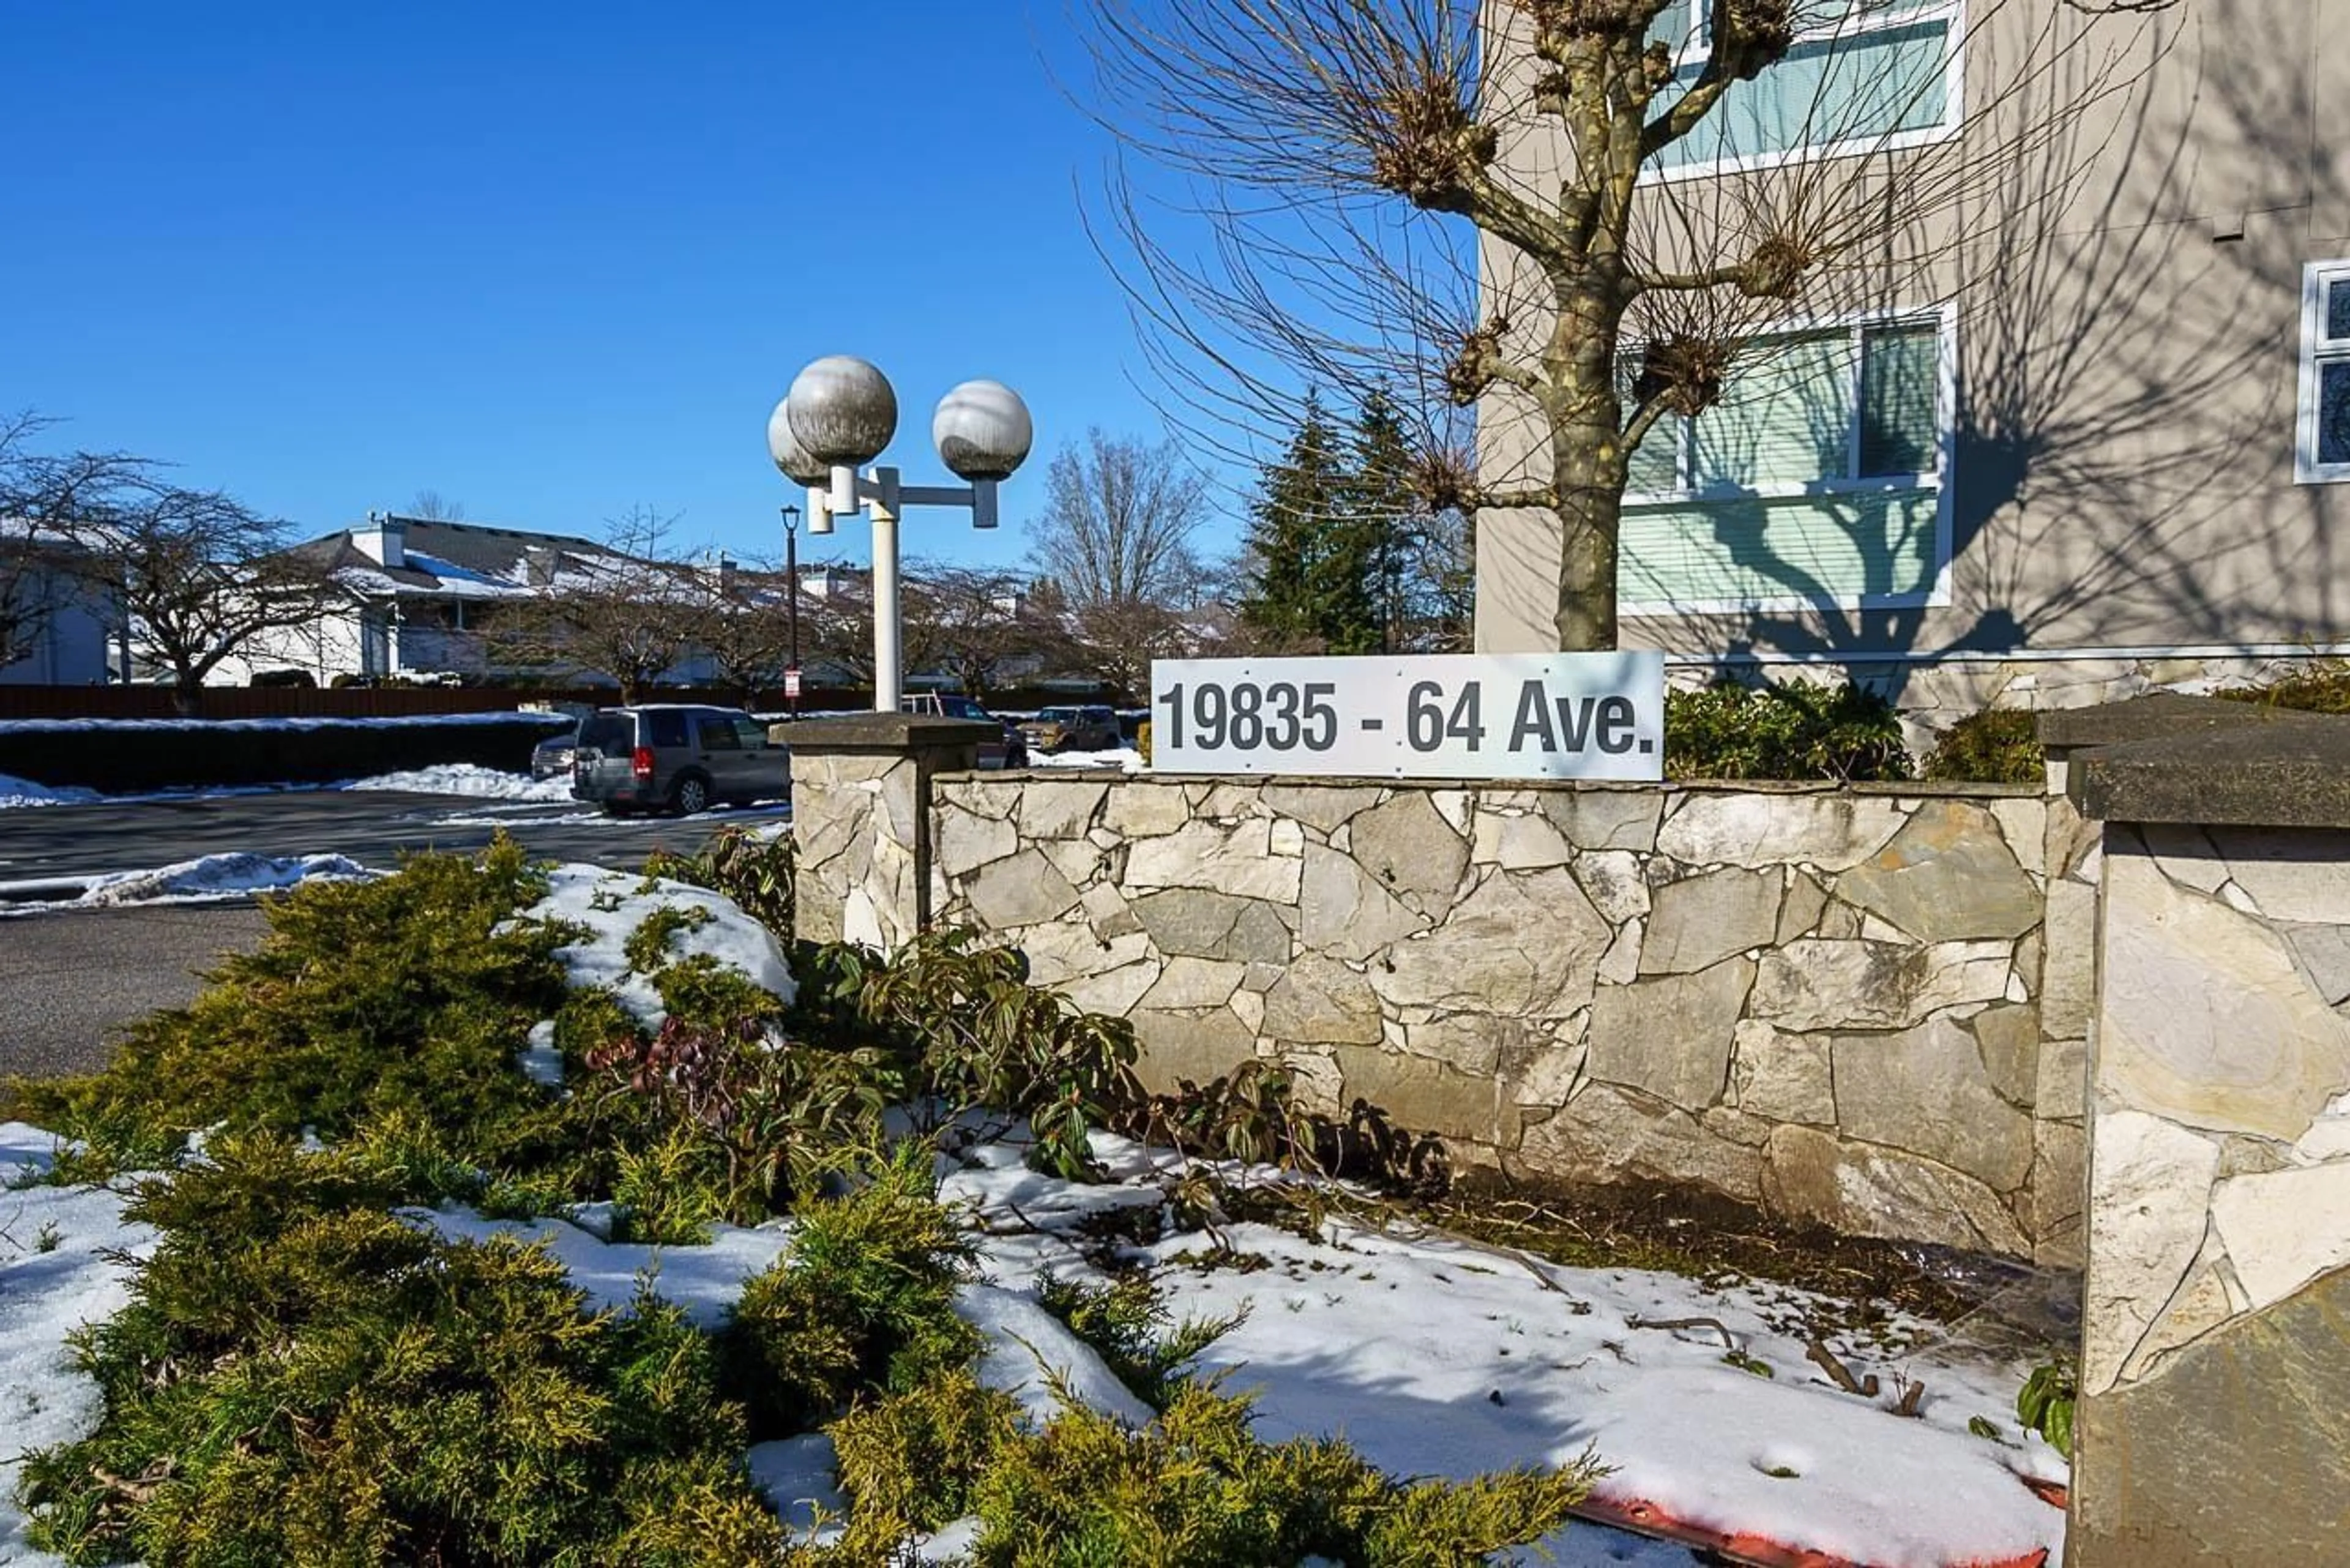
[2127, 353]
[1825, 1002]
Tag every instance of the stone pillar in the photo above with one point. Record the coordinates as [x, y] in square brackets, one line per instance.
[860, 820]
[2215, 1373]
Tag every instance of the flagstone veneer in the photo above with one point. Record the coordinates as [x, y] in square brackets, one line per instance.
[1584, 982]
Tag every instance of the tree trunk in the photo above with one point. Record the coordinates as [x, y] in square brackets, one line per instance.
[1590, 518]
[1588, 466]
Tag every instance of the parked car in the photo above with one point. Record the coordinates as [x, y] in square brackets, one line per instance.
[1012, 751]
[551, 758]
[1073, 730]
[680, 757]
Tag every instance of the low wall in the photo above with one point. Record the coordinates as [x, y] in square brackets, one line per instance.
[1825, 1001]
[116, 757]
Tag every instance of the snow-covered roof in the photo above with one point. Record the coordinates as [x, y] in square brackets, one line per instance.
[466, 560]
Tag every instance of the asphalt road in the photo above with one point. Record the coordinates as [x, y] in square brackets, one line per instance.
[40, 843]
[66, 981]
[69, 979]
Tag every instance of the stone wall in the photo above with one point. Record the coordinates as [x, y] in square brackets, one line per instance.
[861, 789]
[2215, 1373]
[1825, 1001]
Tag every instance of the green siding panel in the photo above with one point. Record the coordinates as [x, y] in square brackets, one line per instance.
[1815, 548]
[1853, 88]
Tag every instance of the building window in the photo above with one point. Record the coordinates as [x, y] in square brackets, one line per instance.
[2321, 453]
[1861, 76]
[1818, 479]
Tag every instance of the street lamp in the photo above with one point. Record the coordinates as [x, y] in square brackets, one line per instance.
[792, 603]
[842, 412]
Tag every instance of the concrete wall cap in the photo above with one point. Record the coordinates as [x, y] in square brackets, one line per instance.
[883, 733]
[2294, 773]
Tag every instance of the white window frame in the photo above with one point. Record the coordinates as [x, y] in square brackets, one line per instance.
[1944, 317]
[1874, 16]
[2317, 351]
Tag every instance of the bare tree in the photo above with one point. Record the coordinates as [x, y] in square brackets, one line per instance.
[33, 552]
[431, 506]
[975, 624]
[745, 626]
[196, 575]
[1120, 515]
[1359, 164]
[1115, 552]
[628, 613]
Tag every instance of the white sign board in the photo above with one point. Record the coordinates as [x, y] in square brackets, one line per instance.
[1449, 716]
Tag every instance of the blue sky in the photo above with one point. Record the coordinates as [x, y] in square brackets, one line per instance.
[551, 262]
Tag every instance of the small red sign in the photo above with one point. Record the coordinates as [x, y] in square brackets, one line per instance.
[792, 681]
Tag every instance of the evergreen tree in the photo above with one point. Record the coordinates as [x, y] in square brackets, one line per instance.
[1385, 522]
[1298, 597]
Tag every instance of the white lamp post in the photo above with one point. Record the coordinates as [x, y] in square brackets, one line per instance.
[841, 413]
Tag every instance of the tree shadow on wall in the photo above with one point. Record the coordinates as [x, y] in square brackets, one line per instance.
[2123, 429]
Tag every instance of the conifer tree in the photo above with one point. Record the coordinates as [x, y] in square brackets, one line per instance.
[1299, 498]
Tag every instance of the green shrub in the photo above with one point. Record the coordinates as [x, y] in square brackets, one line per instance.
[861, 1303]
[766, 1113]
[2045, 1403]
[1125, 1320]
[1998, 746]
[406, 994]
[301, 1377]
[1798, 730]
[2324, 687]
[971, 1030]
[911, 1462]
[1249, 1115]
[1198, 1489]
[752, 870]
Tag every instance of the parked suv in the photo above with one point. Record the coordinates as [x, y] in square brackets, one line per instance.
[1012, 751]
[676, 757]
[1073, 730]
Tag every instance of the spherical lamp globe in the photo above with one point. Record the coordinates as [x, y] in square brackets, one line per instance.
[982, 431]
[790, 456]
[842, 410]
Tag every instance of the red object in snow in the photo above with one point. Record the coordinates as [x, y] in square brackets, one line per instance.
[1748, 1547]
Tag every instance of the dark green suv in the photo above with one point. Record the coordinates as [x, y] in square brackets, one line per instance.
[680, 757]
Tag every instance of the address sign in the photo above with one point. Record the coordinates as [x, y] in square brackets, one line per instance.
[1454, 716]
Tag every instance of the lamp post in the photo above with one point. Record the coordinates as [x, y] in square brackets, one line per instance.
[841, 413]
[792, 605]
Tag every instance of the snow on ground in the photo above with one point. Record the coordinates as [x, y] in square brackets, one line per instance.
[209, 878]
[1125, 757]
[468, 779]
[1433, 1355]
[1440, 1356]
[612, 904]
[16, 791]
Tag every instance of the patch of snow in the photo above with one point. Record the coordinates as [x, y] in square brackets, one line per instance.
[213, 877]
[611, 905]
[1125, 757]
[45, 1296]
[469, 779]
[16, 791]
[1027, 1348]
[797, 1476]
[705, 1281]
[540, 1061]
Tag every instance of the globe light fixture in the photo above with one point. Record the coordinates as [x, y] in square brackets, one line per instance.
[793, 460]
[841, 413]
